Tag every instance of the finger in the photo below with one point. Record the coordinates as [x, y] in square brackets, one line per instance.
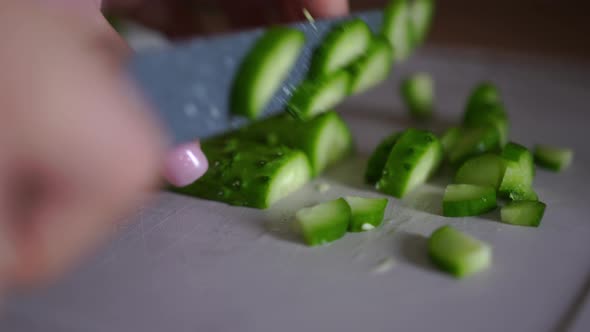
[294, 10]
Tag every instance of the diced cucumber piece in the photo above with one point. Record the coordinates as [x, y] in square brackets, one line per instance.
[421, 13]
[373, 67]
[397, 28]
[367, 213]
[263, 70]
[552, 157]
[457, 253]
[249, 174]
[413, 159]
[472, 142]
[486, 170]
[492, 115]
[462, 200]
[450, 138]
[518, 177]
[523, 213]
[483, 95]
[341, 46]
[324, 223]
[418, 94]
[316, 96]
[379, 157]
[523, 194]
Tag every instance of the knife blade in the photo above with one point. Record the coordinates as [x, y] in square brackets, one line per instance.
[188, 84]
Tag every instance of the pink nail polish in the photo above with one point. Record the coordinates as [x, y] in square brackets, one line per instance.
[185, 164]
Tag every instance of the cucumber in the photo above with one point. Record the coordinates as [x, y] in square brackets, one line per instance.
[417, 92]
[518, 177]
[341, 46]
[553, 158]
[474, 141]
[523, 213]
[457, 253]
[325, 139]
[249, 174]
[324, 223]
[523, 194]
[373, 67]
[492, 115]
[379, 157]
[462, 200]
[367, 213]
[486, 170]
[449, 138]
[421, 14]
[483, 95]
[397, 28]
[316, 96]
[413, 159]
[263, 70]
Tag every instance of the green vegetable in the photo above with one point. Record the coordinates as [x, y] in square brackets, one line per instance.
[373, 67]
[263, 70]
[553, 158]
[518, 177]
[523, 213]
[396, 28]
[367, 213]
[421, 14]
[450, 138]
[483, 95]
[325, 222]
[525, 194]
[461, 200]
[316, 96]
[248, 174]
[417, 92]
[472, 142]
[413, 159]
[341, 46]
[492, 115]
[379, 157]
[486, 170]
[457, 253]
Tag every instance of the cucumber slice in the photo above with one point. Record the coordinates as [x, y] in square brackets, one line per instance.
[462, 200]
[450, 138]
[324, 223]
[483, 95]
[373, 67]
[341, 46]
[396, 28]
[492, 115]
[523, 194]
[553, 158]
[523, 213]
[486, 170]
[474, 141]
[413, 159]
[313, 97]
[263, 70]
[248, 174]
[367, 213]
[379, 157]
[457, 253]
[418, 93]
[421, 13]
[518, 177]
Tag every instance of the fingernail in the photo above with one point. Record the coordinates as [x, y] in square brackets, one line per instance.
[185, 164]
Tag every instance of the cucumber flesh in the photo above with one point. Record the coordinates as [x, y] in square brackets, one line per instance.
[418, 94]
[472, 142]
[518, 177]
[396, 28]
[421, 13]
[523, 194]
[450, 138]
[492, 115]
[486, 170]
[264, 69]
[367, 213]
[373, 67]
[462, 200]
[523, 213]
[379, 157]
[553, 158]
[413, 159]
[457, 253]
[324, 223]
[341, 46]
[313, 97]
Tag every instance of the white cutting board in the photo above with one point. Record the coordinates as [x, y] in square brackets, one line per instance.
[185, 264]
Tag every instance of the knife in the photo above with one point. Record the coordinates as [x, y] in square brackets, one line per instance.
[188, 84]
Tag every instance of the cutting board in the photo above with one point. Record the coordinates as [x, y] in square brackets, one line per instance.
[183, 264]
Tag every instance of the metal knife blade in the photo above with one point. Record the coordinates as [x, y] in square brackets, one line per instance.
[189, 84]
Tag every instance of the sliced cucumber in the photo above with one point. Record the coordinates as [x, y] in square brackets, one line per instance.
[324, 223]
[264, 69]
[396, 28]
[413, 159]
[367, 213]
[523, 213]
[486, 170]
[379, 157]
[523, 194]
[373, 67]
[341, 46]
[316, 96]
[518, 177]
[421, 13]
[450, 138]
[553, 158]
[417, 92]
[472, 142]
[483, 95]
[462, 200]
[492, 115]
[457, 253]
[248, 174]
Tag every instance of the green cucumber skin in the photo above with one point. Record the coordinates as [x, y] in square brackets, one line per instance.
[303, 103]
[323, 58]
[378, 55]
[243, 100]
[334, 222]
[485, 170]
[449, 138]
[421, 14]
[472, 142]
[397, 28]
[492, 115]
[483, 95]
[407, 156]
[379, 157]
[473, 206]
[553, 158]
[366, 211]
[523, 213]
[418, 94]
[520, 169]
[242, 173]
